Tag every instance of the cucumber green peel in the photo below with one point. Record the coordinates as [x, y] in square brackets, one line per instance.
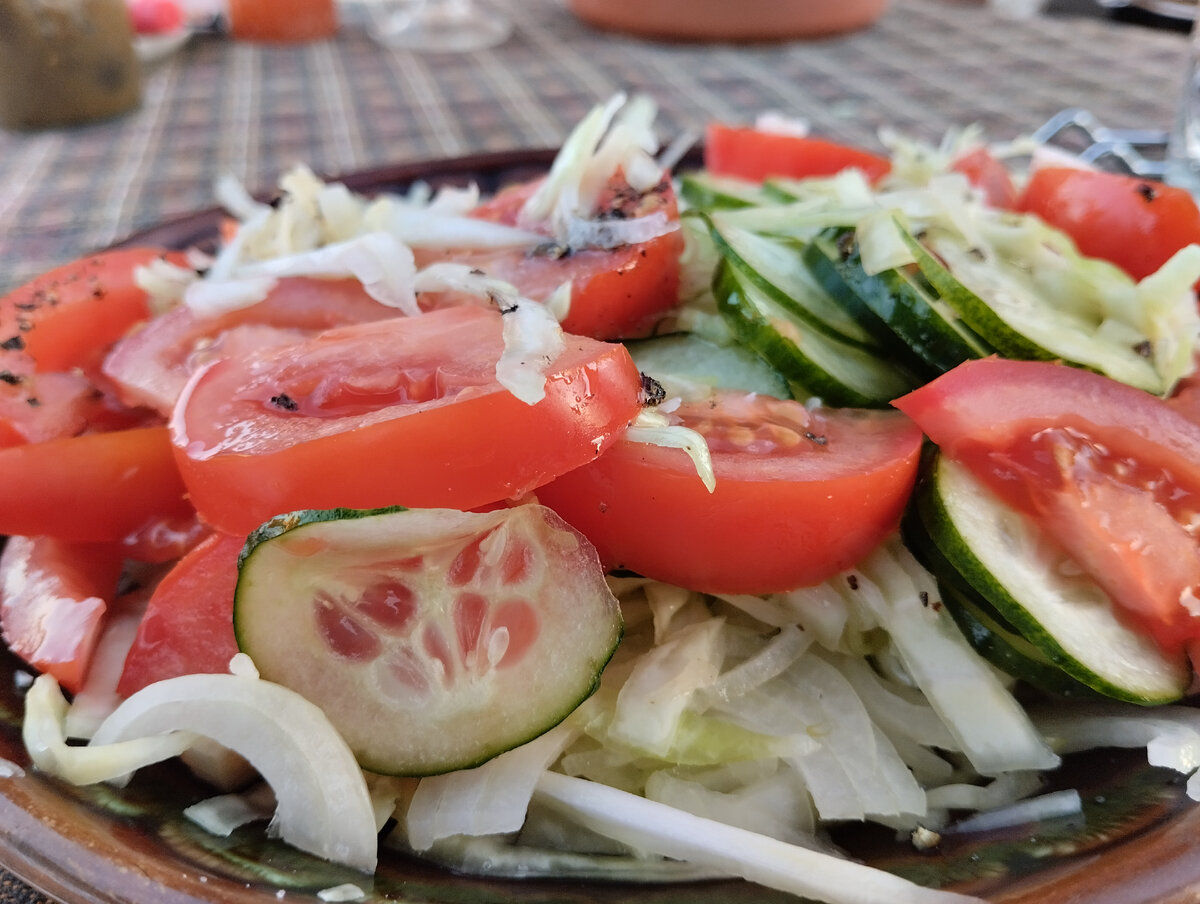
[1004, 558]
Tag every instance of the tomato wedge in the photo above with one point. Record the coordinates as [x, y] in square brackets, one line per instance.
[617, 293]
[757, 154]
[188, 625]
[989, 175]
[1109, 472]
[151, 365]
[403, 411]
[799, 495]
[67, 317]
[1131, 222]
[52, 602]
[96, 487]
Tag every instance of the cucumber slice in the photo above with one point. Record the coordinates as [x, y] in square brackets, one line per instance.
[1003, 556]
[687, 357]
[432, 639]
[814, 364]
[900, 299]
[776, 267]
[991, 635]
[704, 191]
[1028, 316]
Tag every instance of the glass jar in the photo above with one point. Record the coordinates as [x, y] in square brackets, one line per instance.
[64, 62]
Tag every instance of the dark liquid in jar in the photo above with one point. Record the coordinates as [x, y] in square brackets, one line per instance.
[64, 62]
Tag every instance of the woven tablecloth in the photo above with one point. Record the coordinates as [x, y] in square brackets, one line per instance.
[346, 104]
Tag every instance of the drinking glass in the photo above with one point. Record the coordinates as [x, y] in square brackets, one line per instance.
[1183, 149]
[436, 25]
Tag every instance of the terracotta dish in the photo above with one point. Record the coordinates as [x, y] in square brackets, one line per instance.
[729, 20]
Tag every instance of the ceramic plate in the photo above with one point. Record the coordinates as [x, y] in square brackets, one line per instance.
[1136, 842]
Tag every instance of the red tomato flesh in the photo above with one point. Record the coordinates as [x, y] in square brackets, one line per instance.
[1109, 472]
[96, 487]
[151, 365]
[1131, 222]
[756, 155]
[53, 600]
[404, 411]
[989, 175]
[618, 293]
[188, 626]
[67, 317]
[799, 495]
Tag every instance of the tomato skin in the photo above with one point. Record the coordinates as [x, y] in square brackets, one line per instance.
[53, 601]
[775, 521]
[618, 293]
[754, 154]
[151, 365]
[403, 411]
[188, 625]
[989, 175]
[1131, 222]
[1109, 472]
[68, 316]
[91, 488]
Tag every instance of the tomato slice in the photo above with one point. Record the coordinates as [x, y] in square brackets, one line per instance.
[403, 411]
[1131, 222]
[52, 602]
[755, 154]
[96, 487]
[1110, 473]
[67, 317]
[618, 293]
[151, 365]
[989, 175]
[799, 495]
[188, 625]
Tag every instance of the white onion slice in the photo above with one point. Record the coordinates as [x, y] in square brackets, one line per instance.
[43, 732]
[491, 799]
[324, 807]
[1037, 809]
[651, 826]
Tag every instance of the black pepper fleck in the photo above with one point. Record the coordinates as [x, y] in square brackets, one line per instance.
[284, 401]
[653, 392]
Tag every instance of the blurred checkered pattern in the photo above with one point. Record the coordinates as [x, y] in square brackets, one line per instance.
[346, 104]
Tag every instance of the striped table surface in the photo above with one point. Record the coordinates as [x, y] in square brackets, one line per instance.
[345, 104]
[348, 104]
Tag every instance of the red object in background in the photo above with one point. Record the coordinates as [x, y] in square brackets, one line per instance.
[282, 20]
[156, 17]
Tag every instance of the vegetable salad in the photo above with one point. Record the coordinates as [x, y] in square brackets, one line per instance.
[630, 523]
